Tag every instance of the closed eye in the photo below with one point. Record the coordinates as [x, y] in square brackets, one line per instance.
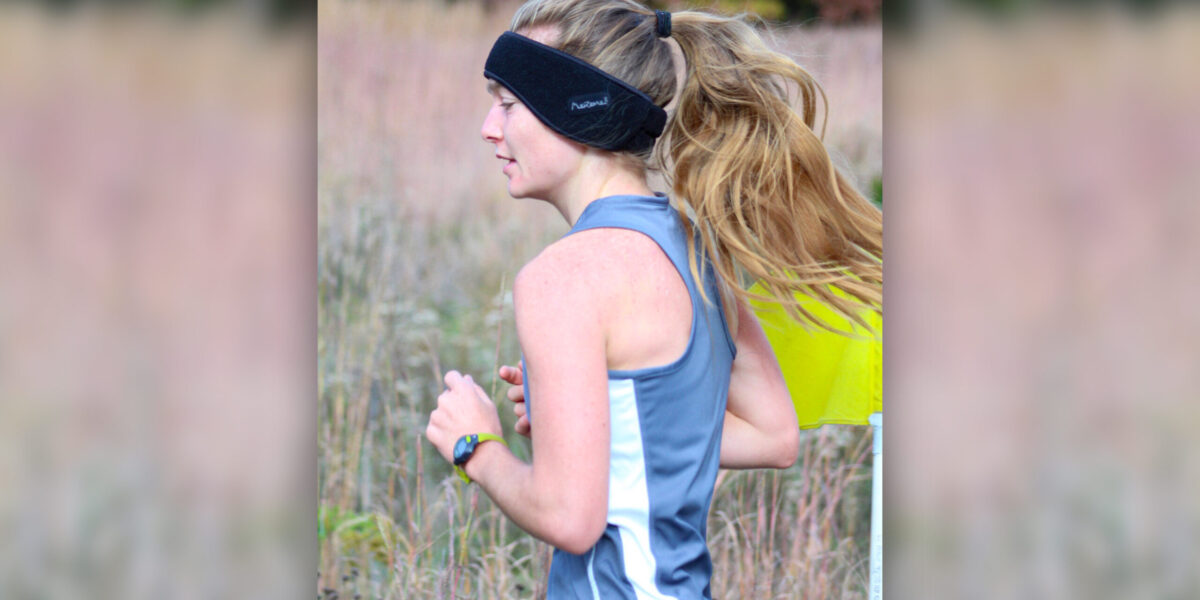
[501, 95]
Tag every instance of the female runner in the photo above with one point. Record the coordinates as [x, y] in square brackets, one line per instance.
[643, 369]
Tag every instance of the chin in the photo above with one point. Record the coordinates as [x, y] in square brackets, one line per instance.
[520, 193]
[515, 190]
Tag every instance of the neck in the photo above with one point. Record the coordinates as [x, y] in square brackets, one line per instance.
[600, 175]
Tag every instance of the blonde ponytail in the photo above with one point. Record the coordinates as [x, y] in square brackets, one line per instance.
[763, 191]
[751, 175]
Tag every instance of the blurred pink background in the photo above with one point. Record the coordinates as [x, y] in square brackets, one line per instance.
[157, 311]
[1043, 334]
[157, 245]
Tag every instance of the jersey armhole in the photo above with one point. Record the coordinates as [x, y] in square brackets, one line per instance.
[693, 291]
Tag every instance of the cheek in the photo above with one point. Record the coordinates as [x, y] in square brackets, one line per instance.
[540, 151]
[566, 155]
[557, 151]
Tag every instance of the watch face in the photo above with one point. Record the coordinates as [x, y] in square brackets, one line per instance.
[463, 448]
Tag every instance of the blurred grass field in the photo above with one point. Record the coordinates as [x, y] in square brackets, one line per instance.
[418, 246]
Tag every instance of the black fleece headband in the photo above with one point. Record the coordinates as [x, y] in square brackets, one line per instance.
[574, 98]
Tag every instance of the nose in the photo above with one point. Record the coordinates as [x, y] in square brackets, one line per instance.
[491, 130]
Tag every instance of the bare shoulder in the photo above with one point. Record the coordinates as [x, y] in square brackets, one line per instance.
[561, 303]
[588, 268]
[612, 284]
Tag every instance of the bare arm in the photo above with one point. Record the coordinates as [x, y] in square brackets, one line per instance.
[760, 421]
[562, 496]
[759, 427]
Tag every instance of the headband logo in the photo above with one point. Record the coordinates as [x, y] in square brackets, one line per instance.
[588, 102]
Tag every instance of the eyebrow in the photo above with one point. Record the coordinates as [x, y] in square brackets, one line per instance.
[492, 87]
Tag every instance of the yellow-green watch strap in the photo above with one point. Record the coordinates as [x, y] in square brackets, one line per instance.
[483, 437]
[462, 474]
[479, 439]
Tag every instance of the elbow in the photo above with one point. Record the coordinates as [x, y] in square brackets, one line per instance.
[577, 526]
[576, 545]
[578, 534]
[787, 449]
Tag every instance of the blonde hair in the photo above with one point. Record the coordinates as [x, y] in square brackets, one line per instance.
[749, 173]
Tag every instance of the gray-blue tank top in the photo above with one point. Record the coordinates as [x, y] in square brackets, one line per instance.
[666, 441]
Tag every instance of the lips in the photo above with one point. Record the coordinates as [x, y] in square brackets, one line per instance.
[508, 162]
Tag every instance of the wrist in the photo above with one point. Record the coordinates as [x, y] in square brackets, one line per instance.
[467, 449]
[481, 460]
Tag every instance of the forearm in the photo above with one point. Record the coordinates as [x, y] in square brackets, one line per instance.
[760, 422]
[534, 503]
[561, 496]
[744, 446]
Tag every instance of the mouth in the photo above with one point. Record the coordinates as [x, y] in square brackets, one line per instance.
[508, 162]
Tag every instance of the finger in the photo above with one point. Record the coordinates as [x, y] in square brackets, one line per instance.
[480, 393]
[452, 379]
[519, 410]
[516, 393]
[435, 419]
[522, 426]
[511, 374]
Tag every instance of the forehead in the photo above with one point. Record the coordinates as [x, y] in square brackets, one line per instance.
[494, 88]
[545, 34]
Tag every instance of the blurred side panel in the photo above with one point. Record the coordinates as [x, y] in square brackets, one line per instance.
[157, 245]
[1043, 356]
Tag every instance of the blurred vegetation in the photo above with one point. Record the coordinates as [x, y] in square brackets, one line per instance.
[273, 12]
[833, 12]
[418, 247]
[900, 15]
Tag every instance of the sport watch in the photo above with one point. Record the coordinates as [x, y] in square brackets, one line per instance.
[464, 448]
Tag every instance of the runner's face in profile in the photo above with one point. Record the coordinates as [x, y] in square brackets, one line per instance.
[538, 162]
